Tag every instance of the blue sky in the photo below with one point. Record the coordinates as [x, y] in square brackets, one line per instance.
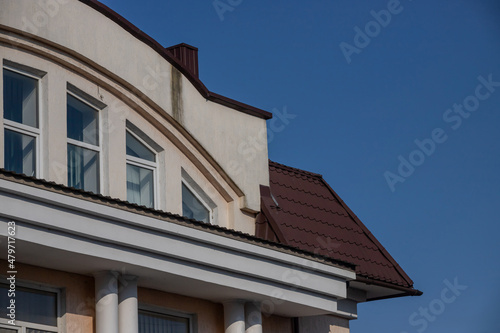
[423, 72]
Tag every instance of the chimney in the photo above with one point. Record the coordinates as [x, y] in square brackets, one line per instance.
[187, 55]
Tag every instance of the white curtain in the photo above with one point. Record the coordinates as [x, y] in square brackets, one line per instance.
[20, 98]
[156, 323]
[133, 184]
[140, 188]
[19, 153]
[83, 168]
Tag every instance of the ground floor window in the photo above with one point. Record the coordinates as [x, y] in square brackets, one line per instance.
[152, 322]
[36, 311]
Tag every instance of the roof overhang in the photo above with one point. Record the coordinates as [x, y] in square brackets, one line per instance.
[72, 233]
[373, 290]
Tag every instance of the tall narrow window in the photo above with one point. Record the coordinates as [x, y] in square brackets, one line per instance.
[141, 167]
[21, 121]
[83, 144]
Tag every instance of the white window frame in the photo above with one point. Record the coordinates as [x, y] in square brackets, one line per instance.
[198, 196]
[85, 145]
[21, 326]
[193, 325]
[25, 129]
[142, 163]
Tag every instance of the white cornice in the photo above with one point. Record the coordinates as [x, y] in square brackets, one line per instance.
[72, 227]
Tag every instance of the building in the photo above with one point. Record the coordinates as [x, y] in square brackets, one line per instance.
[127, 205]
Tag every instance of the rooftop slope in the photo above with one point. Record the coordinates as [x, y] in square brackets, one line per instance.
[300, 209]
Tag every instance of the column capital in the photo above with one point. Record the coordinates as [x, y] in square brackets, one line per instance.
[253, 317]
[234, 316]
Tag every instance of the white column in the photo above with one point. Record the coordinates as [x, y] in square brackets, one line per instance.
[234, 316]
[128, 311]
[253, 318]
[106, 302]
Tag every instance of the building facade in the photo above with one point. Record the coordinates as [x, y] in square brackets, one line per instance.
[127, 205]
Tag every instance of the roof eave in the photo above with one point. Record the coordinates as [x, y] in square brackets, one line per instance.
[403, 291]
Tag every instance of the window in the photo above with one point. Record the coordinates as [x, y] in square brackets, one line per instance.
[192, 207]
[152, 322]
[21, 121]
[196, 204]
[141, 169]
[83, 144]
[36, 310]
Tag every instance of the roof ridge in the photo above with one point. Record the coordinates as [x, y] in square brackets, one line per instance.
[292, 169]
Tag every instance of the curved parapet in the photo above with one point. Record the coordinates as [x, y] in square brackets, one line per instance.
[85, 49]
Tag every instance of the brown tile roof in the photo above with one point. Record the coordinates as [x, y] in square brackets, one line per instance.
[301, 210]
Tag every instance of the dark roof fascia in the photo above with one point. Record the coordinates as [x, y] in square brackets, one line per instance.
[169, 217]
[167, 55]
[405, 291]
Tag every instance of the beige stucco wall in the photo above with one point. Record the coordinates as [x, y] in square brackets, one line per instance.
[276, 324]
[114, 51]
[323, 324]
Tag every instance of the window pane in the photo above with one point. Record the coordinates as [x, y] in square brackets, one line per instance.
[137, 149]
[192, 207]
[34, 306]
[20, 153]
[83, 169]
[20, 98]
[159, 323]
[82, 122]
[140, 188]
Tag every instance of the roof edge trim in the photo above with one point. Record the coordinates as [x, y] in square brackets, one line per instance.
[405, 291]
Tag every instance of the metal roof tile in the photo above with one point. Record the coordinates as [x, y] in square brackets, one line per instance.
[312, 217]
